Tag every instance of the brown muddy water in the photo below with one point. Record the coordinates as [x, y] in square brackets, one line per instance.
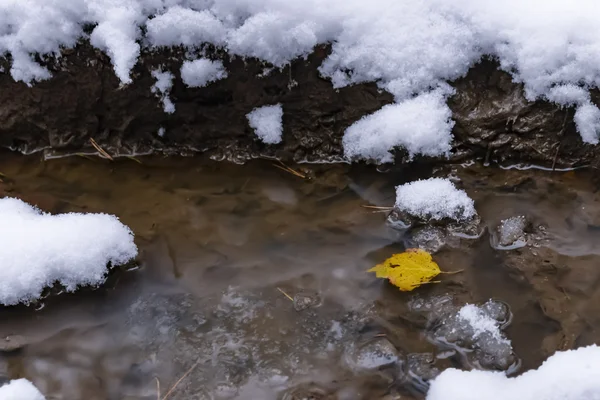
[220, 244]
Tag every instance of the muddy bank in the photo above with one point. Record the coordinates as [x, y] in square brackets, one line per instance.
[494, 122]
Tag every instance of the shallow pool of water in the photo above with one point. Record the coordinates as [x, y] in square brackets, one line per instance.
[224, 247]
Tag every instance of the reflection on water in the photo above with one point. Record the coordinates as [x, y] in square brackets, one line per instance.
[222, 246]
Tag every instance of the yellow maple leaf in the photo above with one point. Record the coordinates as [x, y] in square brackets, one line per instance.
[408, 270]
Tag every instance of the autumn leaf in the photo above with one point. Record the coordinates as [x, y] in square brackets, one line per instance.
[408, 270]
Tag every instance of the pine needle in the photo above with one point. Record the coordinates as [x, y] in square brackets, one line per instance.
[100, 150]
[181, 379]
[134, 159]
[157, 388]
[378, 208]
[452, 272]
[290, 170]
[85, 156]
[286, 295]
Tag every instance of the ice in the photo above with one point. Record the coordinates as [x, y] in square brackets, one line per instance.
[40, 249]
[20, 389]
[434, 199]
[567, 375]
[201, 72]
[162, 87]
[267, 122]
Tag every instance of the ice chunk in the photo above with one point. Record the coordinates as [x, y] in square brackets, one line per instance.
[421, 125]
[567, 375]
[40, 249]
[434, 198]
[20, 389]
[162, 87]
[267, 122]
[201, 72]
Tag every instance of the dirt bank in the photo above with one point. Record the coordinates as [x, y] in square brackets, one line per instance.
[493, 119]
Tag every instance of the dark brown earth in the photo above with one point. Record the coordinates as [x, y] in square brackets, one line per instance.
[83, 100]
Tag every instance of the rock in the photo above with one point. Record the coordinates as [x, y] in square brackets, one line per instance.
[480, 348]
[511, 233]
[371, 355]
[304, 300]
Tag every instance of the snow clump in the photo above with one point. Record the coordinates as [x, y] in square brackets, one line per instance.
[201, 72]
[39, 249]
[267, 122]
[434, 199]
[567, 375]
[20, 389]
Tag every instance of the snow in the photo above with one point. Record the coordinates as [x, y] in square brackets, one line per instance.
[434, 198]
[20, 389]
[267, 122]
[567, 375]
[421, 125]
[481, 322]
[201, 72]
[39, 249]
[407, 47]
[162, 87]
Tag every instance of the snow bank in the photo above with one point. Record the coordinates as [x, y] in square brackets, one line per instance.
[408, 47]
[40, 249]
[201, 72]
[20, 389]
[267, 122]
[162, 87]
[434, 198]
[567, 375]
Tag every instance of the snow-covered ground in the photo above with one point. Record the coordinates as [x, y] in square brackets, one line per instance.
[20, 389]
[40, 249]
[410, 48]
[567, 375]
[267, 122]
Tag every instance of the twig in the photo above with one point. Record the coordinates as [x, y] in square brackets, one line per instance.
[378, 207]
[288, 169]
[555, 158]
[100, 149]
[134, 159]
[451, 272]
[85, 156]
[286, 295]
[157, 388]
[180, 379]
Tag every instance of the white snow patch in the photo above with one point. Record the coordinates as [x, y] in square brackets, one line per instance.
[421, 125]
[587, 120]
[40, 249]
[267, 122]
[201, 72]
[20, 389]
[162, 87]
[481, 322]
[567, 375]
[161, 131]
[434, 198]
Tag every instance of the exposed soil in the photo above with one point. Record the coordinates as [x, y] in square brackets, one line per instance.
[494, 121]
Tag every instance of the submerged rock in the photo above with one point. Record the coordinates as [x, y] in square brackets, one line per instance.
[475, 332]
[371, 355]
[511, 233]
